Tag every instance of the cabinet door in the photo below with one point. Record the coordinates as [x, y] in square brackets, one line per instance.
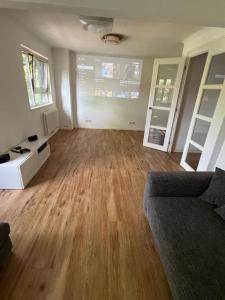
[165, 86]
[43, 156]
[28, 169]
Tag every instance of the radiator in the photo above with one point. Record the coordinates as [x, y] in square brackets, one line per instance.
[51, 121]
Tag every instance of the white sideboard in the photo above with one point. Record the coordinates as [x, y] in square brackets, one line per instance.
[17, 173]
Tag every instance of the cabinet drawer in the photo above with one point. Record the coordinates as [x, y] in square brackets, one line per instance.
[43, 155]
[28, 169]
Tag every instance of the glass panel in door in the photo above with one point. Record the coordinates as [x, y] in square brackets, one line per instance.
[216, 73]
[159, 117]
[163, 97]
[208, 103]
[156, 136]
[193, 156]
[200, 131]
[167, 74]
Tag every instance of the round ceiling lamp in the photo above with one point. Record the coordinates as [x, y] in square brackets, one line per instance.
[112, 38]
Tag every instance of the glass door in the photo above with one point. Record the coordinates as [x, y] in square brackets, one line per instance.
[207, 116]
[166, 80]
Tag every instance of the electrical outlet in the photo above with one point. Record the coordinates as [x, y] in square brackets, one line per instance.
[132, 122]
[88, 121]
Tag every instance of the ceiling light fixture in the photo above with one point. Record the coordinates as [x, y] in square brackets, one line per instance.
[96, 24]
[112, 38]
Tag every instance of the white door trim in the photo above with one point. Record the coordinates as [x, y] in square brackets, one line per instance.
[176, 88]
[215, 122]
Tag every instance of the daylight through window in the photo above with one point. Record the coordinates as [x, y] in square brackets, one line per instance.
[37, 76]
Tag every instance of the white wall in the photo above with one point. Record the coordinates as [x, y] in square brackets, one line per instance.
[17, 121]
[61, 60]
[73, 75]
[106, 113]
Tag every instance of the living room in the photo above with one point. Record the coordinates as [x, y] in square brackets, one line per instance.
[112, 150]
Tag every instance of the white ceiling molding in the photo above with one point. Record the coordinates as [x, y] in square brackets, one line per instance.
[202, 37]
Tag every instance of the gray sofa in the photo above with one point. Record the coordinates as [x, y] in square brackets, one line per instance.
[188, 234]
[5, 243]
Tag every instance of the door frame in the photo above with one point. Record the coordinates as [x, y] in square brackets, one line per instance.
[176, 89]
[212, 135]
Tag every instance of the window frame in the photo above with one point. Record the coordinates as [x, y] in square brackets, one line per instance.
[30, 80]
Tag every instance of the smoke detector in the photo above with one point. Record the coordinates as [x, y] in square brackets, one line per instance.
[112, 38]
[96, 24]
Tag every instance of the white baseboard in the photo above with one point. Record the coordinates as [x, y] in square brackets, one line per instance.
[51, 134]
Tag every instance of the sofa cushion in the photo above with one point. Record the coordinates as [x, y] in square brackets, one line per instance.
[221, 211]
[4, 232]
[190, 238]
[215, 193]
[177, 184]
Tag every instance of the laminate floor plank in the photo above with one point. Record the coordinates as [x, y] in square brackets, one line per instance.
[79, 230]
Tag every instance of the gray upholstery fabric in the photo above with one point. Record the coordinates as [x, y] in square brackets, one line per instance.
[4, 232]
[221, 211]
[5, 243]
[178, 184]
[215, 193]
[189, 235]
[5, 251]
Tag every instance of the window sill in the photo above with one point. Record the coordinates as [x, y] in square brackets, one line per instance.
[40, 106]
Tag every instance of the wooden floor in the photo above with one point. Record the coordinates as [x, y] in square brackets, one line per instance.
[79, 230]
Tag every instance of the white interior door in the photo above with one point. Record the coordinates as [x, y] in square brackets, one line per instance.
[208, 116]
[166, 80]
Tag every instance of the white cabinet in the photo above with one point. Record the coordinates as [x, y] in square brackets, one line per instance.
[17, 173]
[28, 169]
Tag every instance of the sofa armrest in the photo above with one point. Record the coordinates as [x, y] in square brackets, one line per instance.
[4, 232]
[177, 184]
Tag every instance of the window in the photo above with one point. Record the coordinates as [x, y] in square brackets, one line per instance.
[37, 76]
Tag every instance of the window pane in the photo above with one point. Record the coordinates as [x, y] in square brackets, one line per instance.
[28, 79]
[41, 99]
[193, 157]
[217, 70]
[156, 136]
[200, 132]
[37, 79]
[160, 117]
[40, 75]
[163, 97]
[208, 103]
[167, 74]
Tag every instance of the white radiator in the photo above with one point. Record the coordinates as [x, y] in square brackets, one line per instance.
[51, 121]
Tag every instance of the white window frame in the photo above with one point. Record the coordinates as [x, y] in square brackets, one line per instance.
[32, 104]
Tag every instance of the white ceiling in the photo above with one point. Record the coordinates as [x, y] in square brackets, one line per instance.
[144, 38]
[193, 12]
